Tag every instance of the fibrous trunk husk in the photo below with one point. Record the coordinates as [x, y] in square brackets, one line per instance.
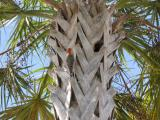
[86, 27]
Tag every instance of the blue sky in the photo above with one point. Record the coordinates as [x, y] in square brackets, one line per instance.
[5, 33]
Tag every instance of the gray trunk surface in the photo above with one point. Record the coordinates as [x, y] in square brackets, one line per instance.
[86, 27]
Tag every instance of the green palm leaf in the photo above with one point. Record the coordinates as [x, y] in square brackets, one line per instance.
[13, 83]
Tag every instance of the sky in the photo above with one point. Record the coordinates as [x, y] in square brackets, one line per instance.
[5, 33]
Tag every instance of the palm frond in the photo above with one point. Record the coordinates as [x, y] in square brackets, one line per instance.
[130, 107]
[36, 105]
[12, 84]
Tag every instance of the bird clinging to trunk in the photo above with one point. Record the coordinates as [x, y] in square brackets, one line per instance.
[70, 60]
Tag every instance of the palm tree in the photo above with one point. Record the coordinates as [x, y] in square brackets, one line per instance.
[92, 31]
[87, 29]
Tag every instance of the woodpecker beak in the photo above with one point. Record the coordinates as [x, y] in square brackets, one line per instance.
[67, 54]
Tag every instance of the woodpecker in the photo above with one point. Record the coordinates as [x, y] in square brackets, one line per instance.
[70, 60]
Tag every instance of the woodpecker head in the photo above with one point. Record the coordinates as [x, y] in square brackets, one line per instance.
[69, 51]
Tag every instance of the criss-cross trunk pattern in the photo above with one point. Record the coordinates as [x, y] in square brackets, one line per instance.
[86, 27]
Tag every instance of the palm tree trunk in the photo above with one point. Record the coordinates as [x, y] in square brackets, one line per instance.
[86, 27]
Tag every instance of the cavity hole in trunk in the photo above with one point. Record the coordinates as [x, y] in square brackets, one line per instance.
[98, 45]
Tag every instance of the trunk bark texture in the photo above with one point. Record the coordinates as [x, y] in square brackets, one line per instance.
[86, 28]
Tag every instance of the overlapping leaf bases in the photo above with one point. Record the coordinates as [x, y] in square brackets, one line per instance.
[86, 27]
